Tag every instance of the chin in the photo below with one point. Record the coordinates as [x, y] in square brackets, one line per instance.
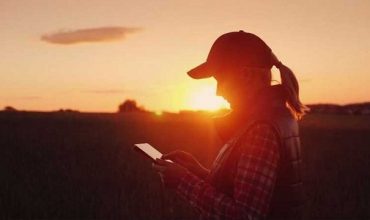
[237, 107]
[232, 106]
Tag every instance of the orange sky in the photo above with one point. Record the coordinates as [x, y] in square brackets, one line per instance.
[91, 55]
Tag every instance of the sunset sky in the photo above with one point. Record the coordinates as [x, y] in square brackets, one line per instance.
[90, 55]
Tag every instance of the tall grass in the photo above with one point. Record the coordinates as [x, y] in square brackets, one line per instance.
[82, 166]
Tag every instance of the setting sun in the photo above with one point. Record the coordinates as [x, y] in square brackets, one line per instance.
[205, 98]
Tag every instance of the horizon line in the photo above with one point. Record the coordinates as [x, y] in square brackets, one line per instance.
[159, 111]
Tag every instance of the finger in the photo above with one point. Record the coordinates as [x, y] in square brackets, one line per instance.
[159, 162]
[161, 176]
[159, 168]
[156, 167]
[171, 155]
[180, 161]
[166, 163]
[163, 162]
[172, 159]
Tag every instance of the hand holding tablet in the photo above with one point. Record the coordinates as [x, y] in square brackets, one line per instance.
[171, 173]
[149, 151]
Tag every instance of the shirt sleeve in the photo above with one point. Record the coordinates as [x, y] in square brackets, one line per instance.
[253, 184]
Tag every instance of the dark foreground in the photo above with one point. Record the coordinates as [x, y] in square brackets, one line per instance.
[81, 166]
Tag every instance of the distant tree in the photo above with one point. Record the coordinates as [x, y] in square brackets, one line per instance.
[10, 109]
[67, 110]
[130, 106]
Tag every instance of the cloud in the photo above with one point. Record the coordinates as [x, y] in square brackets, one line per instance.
[89, 35]
[106, 91]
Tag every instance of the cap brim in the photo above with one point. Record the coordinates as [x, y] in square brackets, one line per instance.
[200, 72]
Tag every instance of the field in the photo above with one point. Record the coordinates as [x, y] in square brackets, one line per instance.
[82, 166]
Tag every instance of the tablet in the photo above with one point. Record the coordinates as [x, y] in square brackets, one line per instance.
[148, 150]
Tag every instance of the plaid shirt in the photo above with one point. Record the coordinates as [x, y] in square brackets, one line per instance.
[253, 183]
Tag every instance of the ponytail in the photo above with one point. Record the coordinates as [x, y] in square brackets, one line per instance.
[290, 84]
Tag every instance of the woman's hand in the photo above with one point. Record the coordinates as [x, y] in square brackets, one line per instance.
[188, 161]
[171, 173]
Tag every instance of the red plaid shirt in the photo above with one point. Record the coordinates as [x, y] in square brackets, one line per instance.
[254, 179]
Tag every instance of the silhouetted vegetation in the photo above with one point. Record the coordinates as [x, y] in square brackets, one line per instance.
[67, 110]
[130, 106]
[10, 109]
[350, 109]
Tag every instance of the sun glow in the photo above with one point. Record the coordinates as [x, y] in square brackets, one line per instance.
[205, 98]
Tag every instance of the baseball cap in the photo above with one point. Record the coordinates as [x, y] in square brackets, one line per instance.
[234, 49]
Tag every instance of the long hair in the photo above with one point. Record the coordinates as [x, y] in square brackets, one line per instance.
[291, 86]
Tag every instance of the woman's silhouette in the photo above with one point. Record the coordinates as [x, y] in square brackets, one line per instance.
[257, 173]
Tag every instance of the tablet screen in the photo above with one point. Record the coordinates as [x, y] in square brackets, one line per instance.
[149, 150]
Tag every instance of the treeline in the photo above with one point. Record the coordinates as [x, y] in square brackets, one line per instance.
[350, 109]
[132, 106]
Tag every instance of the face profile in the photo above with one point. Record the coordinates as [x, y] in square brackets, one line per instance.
[237, 86]
[232, 89]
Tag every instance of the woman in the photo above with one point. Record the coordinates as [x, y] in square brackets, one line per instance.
[256, 174]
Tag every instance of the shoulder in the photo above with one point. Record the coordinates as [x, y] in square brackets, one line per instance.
[260, 134]
[260, 128]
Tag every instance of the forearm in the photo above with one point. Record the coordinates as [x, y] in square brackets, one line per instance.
[201, 172]
[209, 201]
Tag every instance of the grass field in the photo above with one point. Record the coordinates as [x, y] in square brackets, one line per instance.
[81, 166]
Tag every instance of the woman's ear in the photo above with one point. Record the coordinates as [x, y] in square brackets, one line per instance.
[256, 76]
[247, 75]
